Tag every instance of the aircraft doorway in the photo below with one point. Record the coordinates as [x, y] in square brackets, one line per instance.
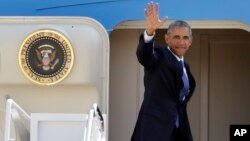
[220, 61]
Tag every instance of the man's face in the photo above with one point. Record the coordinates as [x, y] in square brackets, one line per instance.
[179, 40]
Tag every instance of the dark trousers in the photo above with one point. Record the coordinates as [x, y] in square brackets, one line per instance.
[176, 136]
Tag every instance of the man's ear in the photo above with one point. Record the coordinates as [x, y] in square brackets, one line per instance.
[191, 40]
[166, 38]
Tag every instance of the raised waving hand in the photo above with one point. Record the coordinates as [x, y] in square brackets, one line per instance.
[152, 18]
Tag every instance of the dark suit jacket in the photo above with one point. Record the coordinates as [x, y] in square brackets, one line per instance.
[163, 82]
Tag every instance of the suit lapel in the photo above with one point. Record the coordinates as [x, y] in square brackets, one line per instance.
[178, 71]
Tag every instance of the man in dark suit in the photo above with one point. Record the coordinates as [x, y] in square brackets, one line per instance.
[168, 82]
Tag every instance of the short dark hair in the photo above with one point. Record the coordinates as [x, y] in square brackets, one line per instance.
[179, 23]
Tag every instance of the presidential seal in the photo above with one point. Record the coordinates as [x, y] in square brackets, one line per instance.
[46, 57]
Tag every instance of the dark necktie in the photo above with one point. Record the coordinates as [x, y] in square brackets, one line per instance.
[185, 89]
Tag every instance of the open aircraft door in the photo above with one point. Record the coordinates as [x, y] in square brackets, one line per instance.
[55, 68]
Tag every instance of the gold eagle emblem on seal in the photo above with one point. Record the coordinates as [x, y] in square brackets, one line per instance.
[46, 57]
